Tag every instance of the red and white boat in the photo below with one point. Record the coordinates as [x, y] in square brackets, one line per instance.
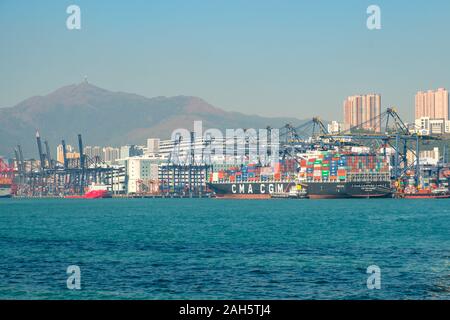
[439, 193]
[94, 191]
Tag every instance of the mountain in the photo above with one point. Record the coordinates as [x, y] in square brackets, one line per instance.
[112, 118]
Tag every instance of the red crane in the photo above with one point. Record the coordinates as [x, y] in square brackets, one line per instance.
[5, 169]
[6, 179]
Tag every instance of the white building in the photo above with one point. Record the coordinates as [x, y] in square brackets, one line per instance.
[427, 126]
[153, 146]
[142, 174]
[336, 127]
[426, 157]
[437, 126]
[429, 157]
[203, 153]
[130, 151]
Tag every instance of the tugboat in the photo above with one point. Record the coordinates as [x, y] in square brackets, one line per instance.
[439, 193]
[411, 191]
[295, 192]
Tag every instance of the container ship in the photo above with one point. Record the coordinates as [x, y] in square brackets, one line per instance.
[251, 190]
[330, 175]
[323, 174]
[253, 181]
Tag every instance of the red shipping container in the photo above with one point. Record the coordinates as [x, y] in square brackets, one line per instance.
[277, 167]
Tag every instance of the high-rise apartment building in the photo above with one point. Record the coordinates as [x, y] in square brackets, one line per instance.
[70, 153]
[60, 154]
[110, 154]
[88, 151]
[97, 152]
[153, 146]
[130, 151]
[432, 104]
[363, 111]
[142, 173]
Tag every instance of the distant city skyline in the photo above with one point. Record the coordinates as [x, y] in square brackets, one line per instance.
[291, 58]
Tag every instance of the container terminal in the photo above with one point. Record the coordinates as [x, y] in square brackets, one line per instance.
[311, 163]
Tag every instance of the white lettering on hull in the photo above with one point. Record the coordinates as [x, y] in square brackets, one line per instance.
[280, 188]
[263, 188]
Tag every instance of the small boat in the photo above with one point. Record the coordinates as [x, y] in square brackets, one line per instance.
[6, 180]
[95, 191]
[5, 188]
[295, 192]
[440, 193]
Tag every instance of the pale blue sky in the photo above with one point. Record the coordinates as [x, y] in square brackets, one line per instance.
[278, 57]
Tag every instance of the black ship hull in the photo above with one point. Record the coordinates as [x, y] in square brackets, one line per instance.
[315, 190]
[250, 190]
[336, 190]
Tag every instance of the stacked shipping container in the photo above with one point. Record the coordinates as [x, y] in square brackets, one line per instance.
[319, 166]
[284, 170]
[332, 166]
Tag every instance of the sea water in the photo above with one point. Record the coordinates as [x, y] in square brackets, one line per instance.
[224, 249]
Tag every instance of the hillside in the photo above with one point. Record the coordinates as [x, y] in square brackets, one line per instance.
[112, 118]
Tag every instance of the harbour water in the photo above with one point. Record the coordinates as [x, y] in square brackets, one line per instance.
[224, 249]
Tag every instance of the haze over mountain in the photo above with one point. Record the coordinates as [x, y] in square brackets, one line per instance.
[112, 118]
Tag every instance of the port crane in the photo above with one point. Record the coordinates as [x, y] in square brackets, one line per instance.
[394, 134]
[47, 177]
[186, 174]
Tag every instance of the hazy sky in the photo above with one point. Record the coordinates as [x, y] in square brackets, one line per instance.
[287, 58]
